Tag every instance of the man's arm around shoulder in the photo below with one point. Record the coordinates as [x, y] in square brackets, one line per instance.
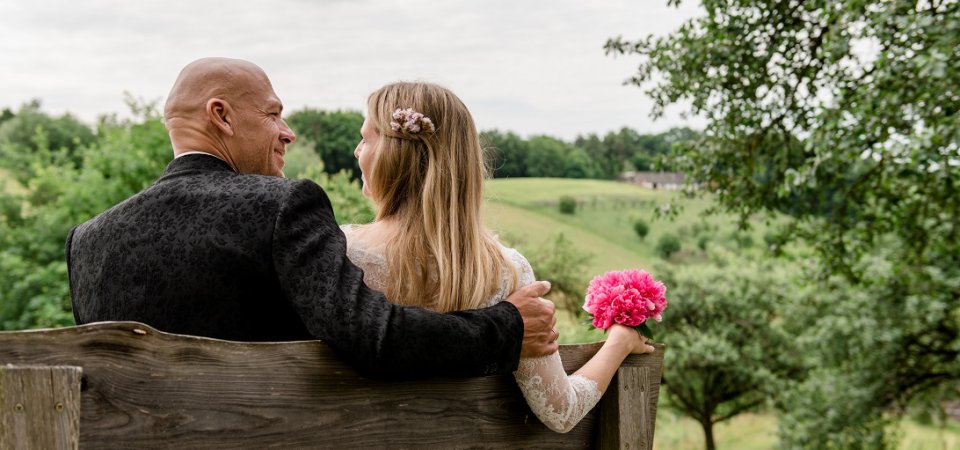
[379, 338]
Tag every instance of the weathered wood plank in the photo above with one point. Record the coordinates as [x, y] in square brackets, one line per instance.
[148, 389]
[628, 411]
[39, 407]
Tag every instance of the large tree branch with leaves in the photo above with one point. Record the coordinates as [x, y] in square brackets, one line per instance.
[842, 117]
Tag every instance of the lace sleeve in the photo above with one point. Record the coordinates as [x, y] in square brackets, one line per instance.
[558, 400]
[372, 263]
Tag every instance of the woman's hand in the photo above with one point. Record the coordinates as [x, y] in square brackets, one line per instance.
[629, 338]
[621, 342]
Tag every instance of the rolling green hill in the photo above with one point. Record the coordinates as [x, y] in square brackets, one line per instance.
[524, 212]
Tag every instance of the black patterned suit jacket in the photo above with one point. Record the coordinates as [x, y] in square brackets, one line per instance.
[209, 252]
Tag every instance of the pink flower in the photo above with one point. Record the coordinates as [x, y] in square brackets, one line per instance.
[628, 297]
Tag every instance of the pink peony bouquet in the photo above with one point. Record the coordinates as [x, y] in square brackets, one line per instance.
[628, 297]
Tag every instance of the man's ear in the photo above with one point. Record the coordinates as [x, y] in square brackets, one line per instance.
[221, 115]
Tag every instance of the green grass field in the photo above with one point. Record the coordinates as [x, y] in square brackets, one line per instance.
[759, 432]
[524, 212]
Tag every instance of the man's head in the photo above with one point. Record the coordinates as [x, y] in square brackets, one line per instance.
[227, 107]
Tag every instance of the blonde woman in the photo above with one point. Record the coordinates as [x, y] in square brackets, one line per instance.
[422, 164]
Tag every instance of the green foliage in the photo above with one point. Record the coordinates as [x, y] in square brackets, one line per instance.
[606, 163]
[6, 115]
[742, 238]
[506, 154]
[587, 156]
[729, 352]
[775, 242]
[300, 156]
[546, 156]
[349, 204]
[872, 354]
[702, 242]
[843, 115]
[667, 245]
[641, 227]
[31, 138]
[334, 135]
[879, 130]
[126, 157]
[577, 164]
[562, 263]
[567, 205]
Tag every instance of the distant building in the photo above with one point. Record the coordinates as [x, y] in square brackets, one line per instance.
[654, 180]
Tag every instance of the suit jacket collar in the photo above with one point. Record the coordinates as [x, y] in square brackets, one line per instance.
[197, 162]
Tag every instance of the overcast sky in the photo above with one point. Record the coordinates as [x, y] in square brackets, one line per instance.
[530, 66]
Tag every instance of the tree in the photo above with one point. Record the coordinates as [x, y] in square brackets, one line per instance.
[605, 163]
[506, 153]
[567, 205]
[578, 164]
[6, 115]
[546, 156]
[863, 345]
[729, 353]
[349, 204]
[667, 245]
[32, 136]
[641, 227]
[300, 157]
[335, 135]
[623, 144]
[843, 116]
[126, 158]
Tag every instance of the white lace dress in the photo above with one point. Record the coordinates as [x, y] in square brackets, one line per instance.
[559, 400]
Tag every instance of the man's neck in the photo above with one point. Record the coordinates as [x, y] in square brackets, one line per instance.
[196, 152]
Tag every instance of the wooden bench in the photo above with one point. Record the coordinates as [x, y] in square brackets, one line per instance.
[127, 385]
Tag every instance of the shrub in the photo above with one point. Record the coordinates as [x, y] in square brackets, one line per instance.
[702, 242]
[641, 228]
[568, 204]
[775, 242]
[346, 196]
[699, 228]
[667, 245]
[559, 261]
[743, 239]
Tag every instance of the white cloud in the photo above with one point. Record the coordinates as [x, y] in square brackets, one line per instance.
[527, 66]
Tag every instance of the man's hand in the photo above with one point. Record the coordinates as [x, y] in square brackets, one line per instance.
[539, 322]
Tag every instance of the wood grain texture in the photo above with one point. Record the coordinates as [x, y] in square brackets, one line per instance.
[39, 407]
[628, 411]
[147, 389]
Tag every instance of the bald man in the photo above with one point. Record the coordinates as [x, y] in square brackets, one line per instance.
[223, 246]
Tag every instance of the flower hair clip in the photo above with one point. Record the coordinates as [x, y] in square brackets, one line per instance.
[410, 121]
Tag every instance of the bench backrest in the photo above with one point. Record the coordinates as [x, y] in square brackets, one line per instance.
[142, 388]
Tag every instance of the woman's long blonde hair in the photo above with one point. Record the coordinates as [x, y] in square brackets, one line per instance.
[431, 186]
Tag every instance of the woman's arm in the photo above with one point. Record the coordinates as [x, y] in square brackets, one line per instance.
[621, 341]
[561, 401]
